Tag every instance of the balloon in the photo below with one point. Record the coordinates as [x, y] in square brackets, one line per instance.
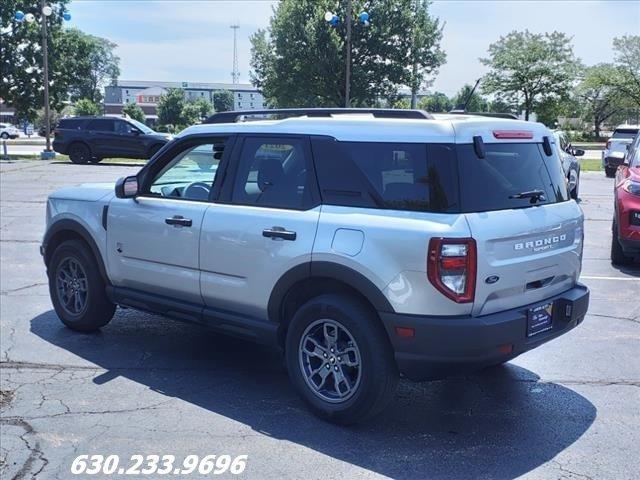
[364, 17]
[30, 17]
[328, 16]
[66, 16]
[47, 10]
[19, 16]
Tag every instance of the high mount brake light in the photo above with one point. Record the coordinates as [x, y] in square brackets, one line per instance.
[513, 134]
[452, 267]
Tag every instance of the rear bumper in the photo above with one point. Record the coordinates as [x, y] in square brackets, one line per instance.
[59, 147]
[444, 346]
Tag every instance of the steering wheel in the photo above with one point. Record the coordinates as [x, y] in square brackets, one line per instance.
[197, 191]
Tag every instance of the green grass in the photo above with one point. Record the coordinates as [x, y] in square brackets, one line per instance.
[591, 165]
[64, 158]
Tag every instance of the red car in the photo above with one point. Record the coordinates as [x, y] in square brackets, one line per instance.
[625, 244]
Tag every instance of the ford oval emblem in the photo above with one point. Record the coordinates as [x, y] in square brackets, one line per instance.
[491, 279]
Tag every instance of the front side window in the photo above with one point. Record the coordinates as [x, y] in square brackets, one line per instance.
[124, 128]
[191, 174]
[273, 173]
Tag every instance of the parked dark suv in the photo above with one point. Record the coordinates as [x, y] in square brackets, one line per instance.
[90, 139]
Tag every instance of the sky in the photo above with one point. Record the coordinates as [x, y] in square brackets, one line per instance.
[180, 40]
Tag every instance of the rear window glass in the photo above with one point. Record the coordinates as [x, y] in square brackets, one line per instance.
[102, 125]
[625, 133]
[407, 176]
[508, 169]
[70, 123]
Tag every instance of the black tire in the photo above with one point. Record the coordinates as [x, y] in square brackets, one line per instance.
[4, 135]
[95, 160]
[610, 172]
[378, 374]
[153, 150]
[96, 310]
[617, 254]
[576, 191]
[79, 153]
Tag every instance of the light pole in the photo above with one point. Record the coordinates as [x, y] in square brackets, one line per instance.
[334, 20]
[46, 12]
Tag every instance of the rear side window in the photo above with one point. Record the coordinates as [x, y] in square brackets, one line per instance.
[508, 169]
[70, 123]
[101, 125]
[628, 133]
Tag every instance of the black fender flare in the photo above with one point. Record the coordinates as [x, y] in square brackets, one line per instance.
[69, 225]
[325, 270]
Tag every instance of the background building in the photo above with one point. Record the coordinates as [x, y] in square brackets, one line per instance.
[147, 94]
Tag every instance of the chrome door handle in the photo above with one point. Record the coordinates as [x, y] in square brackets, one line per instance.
[279, 232]
[178, 221]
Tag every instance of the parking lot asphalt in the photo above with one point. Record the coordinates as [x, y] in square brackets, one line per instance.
[148, 385]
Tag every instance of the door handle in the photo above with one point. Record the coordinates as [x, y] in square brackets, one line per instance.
[178, 221]
[279, 232]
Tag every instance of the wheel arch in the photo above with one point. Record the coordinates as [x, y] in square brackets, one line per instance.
[308, 280]
[67, 229]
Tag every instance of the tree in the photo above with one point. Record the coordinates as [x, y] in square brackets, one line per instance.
[203, 107]
[85, 106]
[602, 99]
[436, 102]
[87, 61]
[170, 107]
[133, 110]
[477, 103]
[301, 43]
[528, 68]
[223, 100]
[627, 63]
[21, 85]
[195, 111]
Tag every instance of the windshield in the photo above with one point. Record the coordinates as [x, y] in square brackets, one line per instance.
[512, 175]
[141, 126]
[627, 133]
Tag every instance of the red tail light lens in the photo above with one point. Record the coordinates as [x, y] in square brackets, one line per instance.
[513, 134]
[451, 267]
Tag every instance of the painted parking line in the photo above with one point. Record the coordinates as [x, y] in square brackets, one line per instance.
[587, 277]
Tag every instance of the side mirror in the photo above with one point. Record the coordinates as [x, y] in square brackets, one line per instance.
[578, 152]
[127, 187]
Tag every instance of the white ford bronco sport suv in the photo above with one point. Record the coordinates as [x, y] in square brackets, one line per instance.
[363, 243]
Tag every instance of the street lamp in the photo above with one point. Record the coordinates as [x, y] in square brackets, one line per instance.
[46, 11]
[334, 20]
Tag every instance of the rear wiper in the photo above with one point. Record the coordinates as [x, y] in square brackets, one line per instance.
[534, 195]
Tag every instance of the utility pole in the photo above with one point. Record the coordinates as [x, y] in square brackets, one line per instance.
[414, 68]
[235, 75]
[45, 70]
[347, 80]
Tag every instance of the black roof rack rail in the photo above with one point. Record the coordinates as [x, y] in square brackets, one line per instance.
[238, 115]
[509, 116]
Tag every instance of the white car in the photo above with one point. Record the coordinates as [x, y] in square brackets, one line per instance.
[616, 149]
[8, 131]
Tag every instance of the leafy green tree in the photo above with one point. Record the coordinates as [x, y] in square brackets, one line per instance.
[601, 98]
[550, 109]
[477, 103]
[195, 111]
[301, 43]
[436, 102]
[85, 106]
[627, 62]
[203, 107]
[223, 101]
[21, 85]
[528, 68]
[133, 110]
[170, 107]
[87, 61]
[498, 105]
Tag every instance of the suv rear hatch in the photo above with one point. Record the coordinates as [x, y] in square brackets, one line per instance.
[528, 234]
[620, 139]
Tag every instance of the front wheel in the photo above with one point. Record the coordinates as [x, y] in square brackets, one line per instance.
[77, 289]
[617, 254]
[340, 360]
[576, 189]
[4, 135]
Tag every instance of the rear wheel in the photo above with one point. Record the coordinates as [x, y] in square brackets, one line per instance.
[617, 254]
[77, 289]
[4, 135]
[79, 153]
[610, 172]
[340, 360]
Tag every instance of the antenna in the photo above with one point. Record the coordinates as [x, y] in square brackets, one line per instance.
[235, 74]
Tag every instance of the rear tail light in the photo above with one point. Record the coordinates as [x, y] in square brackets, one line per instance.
[513, 134]
[451, 267]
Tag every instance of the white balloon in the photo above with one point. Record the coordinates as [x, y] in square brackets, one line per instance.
[29, 17]
[328, 16]
[47, 10]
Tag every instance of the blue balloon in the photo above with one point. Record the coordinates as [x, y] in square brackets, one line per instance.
[334, 20]
[364, 17]
[66, 16]
[19, 16]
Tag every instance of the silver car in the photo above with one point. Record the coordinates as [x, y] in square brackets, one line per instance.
[570, 164]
